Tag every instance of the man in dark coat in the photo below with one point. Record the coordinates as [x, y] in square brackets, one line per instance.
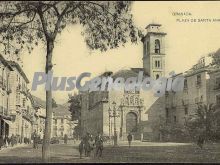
[86, 144]
[129, 139]
[81, 146]
[99, 144]
[13, 140]
[65, 139]
[200, 141]
[1, 142]
[35, 140]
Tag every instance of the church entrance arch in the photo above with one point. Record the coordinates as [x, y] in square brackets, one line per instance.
[131, 122]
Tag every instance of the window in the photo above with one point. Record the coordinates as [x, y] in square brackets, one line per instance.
[185, 83]
[218, 99]
[186, 110]
[217, 82]
[62, 121]
[157, 64]
[198, 80]
[157, 76]
[157, 46]
[23, 103]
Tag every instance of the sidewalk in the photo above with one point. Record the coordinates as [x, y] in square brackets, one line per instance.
[15, 146]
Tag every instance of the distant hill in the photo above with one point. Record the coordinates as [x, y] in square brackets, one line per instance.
[60, 110]
[39, 101]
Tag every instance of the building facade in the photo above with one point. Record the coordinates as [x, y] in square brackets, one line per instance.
[200, 88]
[39, 122]
[62, 125]
[97, 109]
[5, 91]
[16, 102]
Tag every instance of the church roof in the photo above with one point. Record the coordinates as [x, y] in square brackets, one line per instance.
[126, 73]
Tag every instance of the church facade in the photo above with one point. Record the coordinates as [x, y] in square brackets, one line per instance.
[123, 112]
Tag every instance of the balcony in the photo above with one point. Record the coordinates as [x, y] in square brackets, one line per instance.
[27, 114]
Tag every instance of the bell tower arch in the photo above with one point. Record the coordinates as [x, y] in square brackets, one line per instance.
[154, 51]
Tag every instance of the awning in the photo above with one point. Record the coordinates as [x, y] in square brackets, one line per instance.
[8, 122]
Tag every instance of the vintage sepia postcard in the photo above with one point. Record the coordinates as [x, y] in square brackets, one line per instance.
[109, 82]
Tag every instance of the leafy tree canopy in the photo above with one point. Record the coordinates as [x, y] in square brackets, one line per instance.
[25, 23]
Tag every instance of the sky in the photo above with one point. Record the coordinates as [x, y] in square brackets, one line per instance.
[186, 42]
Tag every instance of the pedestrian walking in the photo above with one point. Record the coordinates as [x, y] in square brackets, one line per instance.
[99, 145]
[129, 139]
[13, 140]
[200, 141]
[81, 146]
[65, 139]
[6, 141]
[35, 140]
[90, 146]
[1, 142]
[86, 144]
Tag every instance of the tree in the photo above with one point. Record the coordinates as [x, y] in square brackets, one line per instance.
[75, 106]
[215, 57]
[24, 24]
[203, 122]
[75, 109]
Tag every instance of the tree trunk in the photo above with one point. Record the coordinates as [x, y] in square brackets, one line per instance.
[49, 110]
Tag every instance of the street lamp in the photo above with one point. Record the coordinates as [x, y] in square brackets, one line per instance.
[113, 113]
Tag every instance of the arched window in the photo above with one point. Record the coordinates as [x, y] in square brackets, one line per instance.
[157, 46]
[157, 76]
[157, 64]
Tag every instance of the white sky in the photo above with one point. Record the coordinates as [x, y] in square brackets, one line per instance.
[185, 44]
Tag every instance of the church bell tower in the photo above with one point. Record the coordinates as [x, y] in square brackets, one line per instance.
[154, 51]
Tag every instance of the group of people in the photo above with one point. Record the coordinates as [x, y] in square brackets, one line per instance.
[88, 144]
[6, 141]
[36, 139]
